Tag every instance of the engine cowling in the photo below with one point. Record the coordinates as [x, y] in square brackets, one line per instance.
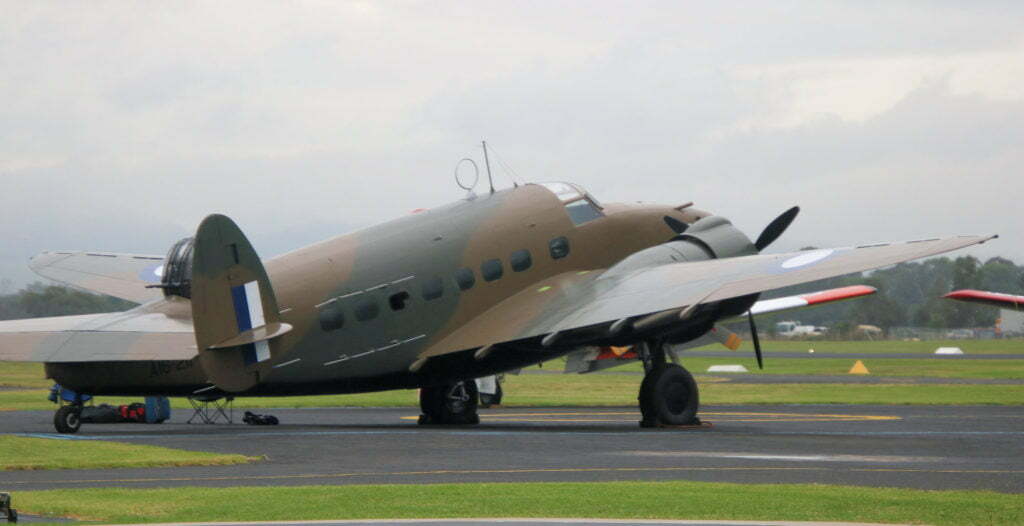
[712, 237]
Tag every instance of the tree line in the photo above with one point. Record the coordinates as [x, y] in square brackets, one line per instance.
[910, 294]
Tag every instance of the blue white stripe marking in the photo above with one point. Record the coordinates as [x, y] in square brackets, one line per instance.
[249, 314]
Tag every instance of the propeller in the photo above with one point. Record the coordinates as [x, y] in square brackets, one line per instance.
[676, 225]
[776, 228]
[757, 341]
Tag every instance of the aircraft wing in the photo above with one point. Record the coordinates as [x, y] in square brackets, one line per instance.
[590, 300]
[123, 276]
[996, 299]
[593, 359]
[159, 330]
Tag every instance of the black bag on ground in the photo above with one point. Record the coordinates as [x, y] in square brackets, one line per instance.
[259, 420]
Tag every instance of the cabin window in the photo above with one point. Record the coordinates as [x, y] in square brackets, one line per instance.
[520, 260]
[398, 300]
[433, 288]
[465, 279]
[559, 247]
[366, 309]
[582, 211]
[491, 269]
[332, 318]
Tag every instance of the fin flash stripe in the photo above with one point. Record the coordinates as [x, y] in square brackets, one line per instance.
[249, 314]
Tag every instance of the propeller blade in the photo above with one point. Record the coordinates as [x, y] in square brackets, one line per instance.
[757, 341]
[776, 228]
[676, 225]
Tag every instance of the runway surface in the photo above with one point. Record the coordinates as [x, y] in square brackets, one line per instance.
[765, 378]
[931, 447]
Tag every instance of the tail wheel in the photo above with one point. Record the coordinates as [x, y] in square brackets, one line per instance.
[68, 419]
[669, 396]
[450, 404]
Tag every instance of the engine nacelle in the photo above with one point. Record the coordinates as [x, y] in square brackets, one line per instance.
[712, 237]
[177, 276]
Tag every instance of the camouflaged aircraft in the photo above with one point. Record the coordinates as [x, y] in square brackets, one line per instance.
[432, 300]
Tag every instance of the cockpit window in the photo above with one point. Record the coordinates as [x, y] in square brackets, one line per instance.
[582, 211]
[580, 205]
[565, 191]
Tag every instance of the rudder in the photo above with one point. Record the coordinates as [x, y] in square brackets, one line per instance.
[234, 310]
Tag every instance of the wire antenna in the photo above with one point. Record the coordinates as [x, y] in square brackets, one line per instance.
[487, 162]
[508, 169]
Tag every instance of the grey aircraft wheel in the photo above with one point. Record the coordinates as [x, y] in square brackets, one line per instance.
[668, 396]
[452, 404]
[68, 419]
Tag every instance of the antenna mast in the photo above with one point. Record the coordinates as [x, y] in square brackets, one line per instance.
[487, 162]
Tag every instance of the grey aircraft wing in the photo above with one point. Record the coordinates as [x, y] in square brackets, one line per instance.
[123, 276]
[577, 300]
[159, 330]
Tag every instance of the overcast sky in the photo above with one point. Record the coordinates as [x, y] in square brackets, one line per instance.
[123, 124]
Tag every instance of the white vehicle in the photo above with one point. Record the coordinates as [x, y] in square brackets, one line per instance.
[790, 329]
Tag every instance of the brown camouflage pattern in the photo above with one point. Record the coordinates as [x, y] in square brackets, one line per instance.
[430, 342]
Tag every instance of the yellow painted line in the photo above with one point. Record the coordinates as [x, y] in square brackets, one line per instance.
[509, 471]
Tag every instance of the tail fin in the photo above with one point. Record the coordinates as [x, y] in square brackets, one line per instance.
[234, 310]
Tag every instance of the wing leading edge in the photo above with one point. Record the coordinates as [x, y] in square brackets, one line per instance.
[123, 276]
[160, 330]
[577, 300]
[995, 299]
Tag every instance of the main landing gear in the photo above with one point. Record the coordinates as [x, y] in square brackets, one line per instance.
[668, 393]
[451, 404]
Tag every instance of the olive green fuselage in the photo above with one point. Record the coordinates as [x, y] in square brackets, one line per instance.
[367, 306]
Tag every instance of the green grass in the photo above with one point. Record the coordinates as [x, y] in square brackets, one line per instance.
[620, 390]
[821, 364]
[24, 453]
[1007, 346]
[16, 374]
[621, 500]
[613, 389]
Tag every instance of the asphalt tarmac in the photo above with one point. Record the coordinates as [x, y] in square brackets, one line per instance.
[928, 447]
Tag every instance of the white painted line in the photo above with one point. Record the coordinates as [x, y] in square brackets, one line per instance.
[289, 362]
[789, 458]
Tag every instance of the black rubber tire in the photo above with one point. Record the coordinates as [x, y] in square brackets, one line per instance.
[669, 396]
[68, 419]
[12, 515]
[487, 400]
[452, 404]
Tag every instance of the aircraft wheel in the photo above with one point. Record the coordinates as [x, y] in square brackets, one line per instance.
[452, 404]
[68, 419]
[669, 397]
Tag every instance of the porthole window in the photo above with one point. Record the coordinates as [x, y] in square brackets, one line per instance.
[491, 269]
[398, 300]
[520, 260]
[366, 309]
[464, 278]
[559, 247]
[332, 318]
[433, 288]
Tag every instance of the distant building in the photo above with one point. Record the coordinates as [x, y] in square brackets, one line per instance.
[1011, 323]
